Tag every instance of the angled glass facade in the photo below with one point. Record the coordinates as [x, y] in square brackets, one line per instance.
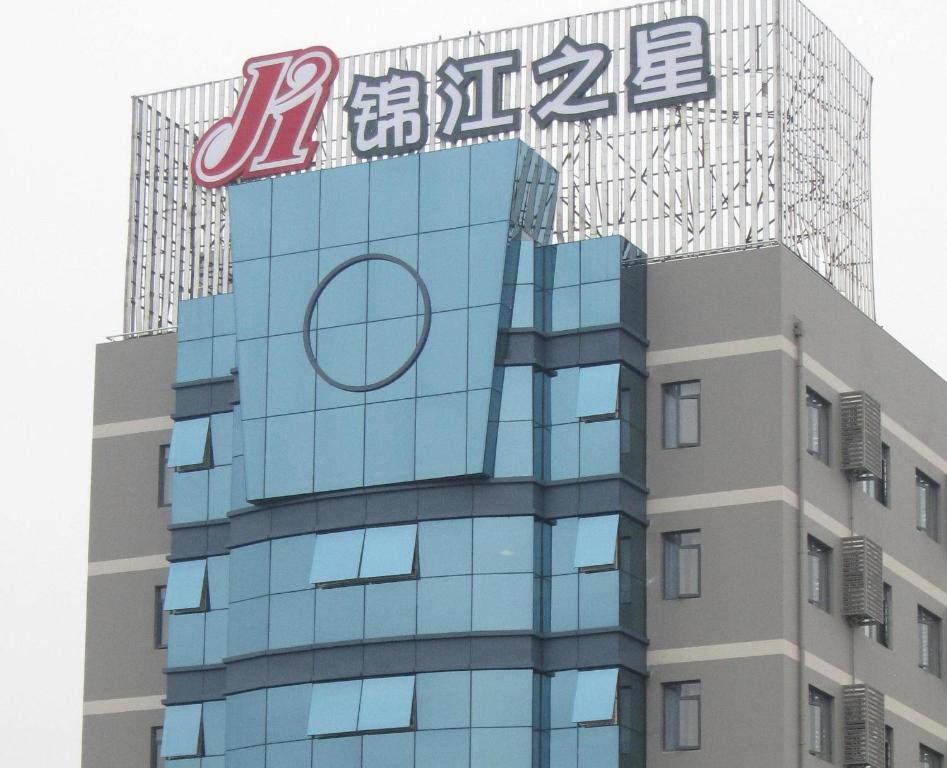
[408, 455]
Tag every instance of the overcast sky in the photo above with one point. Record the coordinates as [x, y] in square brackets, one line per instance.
[68, 73]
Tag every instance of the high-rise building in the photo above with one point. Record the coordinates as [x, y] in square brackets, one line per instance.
[537, 418]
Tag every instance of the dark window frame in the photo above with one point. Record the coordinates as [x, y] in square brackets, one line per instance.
[672, 546]
[824, 703]
[932, 664]
[155, 759]
[889, 747]
[820, 448]
[165, 474]
[160, 618]
[671, 741]
[929, 758]
[671, 394]
[823, 600]
[879, 488]
[881, 633]
[929, 507]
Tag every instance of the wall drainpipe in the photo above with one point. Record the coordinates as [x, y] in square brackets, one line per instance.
[802, 550]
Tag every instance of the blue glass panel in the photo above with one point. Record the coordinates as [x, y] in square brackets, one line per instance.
[482, 346]
[445, 547]
[337, 753]
[190, 443]
[503, 601]
[600, 303]
[344, 300]
[187, 581]
[442, 749]
[562, 264]
[441, 449]
[291, 754]
[218, 580]
[443, 259]
[291, 563]
[563, 748]
[214, 716]
[224, 355]
[189, 491]
[478, 422]
[501, 747]
[598, 391]
[340, 614]
[247, 626]
[564, 603]
[343, 210]
[390, 344]
[390, 609]
[221, 435]
[334, 708]
[596, 540]
[293, 279]
[182, 731]
[523, 307]
[236, 446]
[388, 750]
[563, 395]
[291, 380]
[488, 252]
[215, 637]
[251, 362]
[595, 691]
[388, 551]
[337, 556]
[392, 291]
[339, 448]
[394, 197]
[564, 452]
[287, 712]
[514, 457]
[254, 757]
[563, 314]
[238, 484]
[598, 747]
[599, 448]
[525, 270]
[254, 440]
[601, 259]
[218, 761]
[219, 487]
[501, 697]
[224, 321]
[443, 700]
[185, 639]
[289, 454]
[598, 599]
[562, 698]
[341, 353]
[246, 719]
[492, 167]
[251, 280]
[249, 219]
[444, 605]
[503, 544]
[442, 366]
[563, 545]
[196, 319]
[292, 618]
[387, 703]
[249, 571]
[445, 189]
[517, 401]
[295, 213]
[389, 452]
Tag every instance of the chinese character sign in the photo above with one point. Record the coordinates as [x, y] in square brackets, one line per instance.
[272, 127]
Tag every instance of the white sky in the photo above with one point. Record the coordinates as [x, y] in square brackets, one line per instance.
[68, 72]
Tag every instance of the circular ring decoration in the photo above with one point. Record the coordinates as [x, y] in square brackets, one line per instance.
[311, 307]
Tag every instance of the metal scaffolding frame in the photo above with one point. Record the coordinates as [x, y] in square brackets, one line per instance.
[779, 155]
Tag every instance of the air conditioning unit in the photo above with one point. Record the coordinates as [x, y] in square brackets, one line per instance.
[862, 581]
[864, 726]
[861, 436]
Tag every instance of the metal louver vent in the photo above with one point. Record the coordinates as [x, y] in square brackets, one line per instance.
[861, 435]
[862, 581]
[864, 726]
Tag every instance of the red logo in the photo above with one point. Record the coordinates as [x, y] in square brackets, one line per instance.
[274, 121]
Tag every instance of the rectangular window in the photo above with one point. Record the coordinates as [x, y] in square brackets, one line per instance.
[596, 697]
[165, 476]
[928, 641]
[926, 493]
[181, 734]
[889, 747]
[362, 706]
[817, 413]
[161, 618]
[681, 565]
[820, 724]
[596, 543]
[385, 553]
[820, 570]
[881, 633]
[928, 758]
[191, 445]
[682, 414]
[877, 487]
[156, 760]
[682, 715]
[187, 586]
[597, 398]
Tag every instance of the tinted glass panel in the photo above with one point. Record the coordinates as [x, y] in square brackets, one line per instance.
[387, 703]
[595, 541]
[186, 581]
[190, 445]
[334, 707]
[595, 692]
[503, 544]
[182, 729]
[598, 392]
[337, 556]
[388, 551]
